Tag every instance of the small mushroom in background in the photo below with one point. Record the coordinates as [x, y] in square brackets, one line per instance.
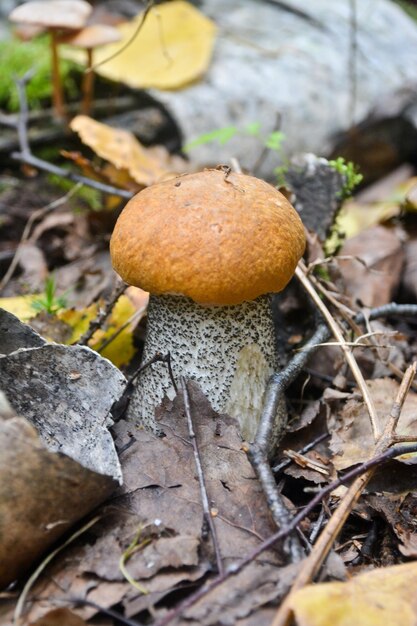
[210, 248]
[89, 38]
[55, 16]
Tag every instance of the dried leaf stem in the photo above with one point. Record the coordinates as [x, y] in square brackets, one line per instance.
[301, 273]
[200, 474]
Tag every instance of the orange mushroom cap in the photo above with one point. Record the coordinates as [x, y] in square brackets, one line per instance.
[218, 239]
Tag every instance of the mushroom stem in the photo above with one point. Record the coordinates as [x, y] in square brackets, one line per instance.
[229, 351]
[57, 94]
[88, 84]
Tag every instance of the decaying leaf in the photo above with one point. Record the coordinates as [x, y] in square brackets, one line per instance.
[121, 148]
[399, 510]
[159, 507]
[172, 48]
[352, 440]
[382, 596]
[372, 273]
[60, 617]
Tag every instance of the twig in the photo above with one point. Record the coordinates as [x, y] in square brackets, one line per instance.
[258, 451]
[310, 446]
[281, 380]
[283, 533]
[118, 617]
[129, 42]
[136, 315]
[25, 155]
[103, 313]
[26, 231]
[200, 474]
[63, 173]
[119, 407]
[357, 374]
[282, 517]
[333, 527]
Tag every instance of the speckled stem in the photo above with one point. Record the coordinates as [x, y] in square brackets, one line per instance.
[229, 351]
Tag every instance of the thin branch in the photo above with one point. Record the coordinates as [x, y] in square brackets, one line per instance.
[119, 407]
[276, 504]
[129, 42]
[30, 159]
[118, 617]
[25, 155]
[137, 315]
[280, 381]
[200, 474]
[310, 446]
[357, 374]
[103, 313]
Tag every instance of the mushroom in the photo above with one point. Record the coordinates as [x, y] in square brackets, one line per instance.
[210, 248]
[89, 38]
[55, 16]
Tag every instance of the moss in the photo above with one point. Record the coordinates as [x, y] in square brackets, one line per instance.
[19, 57]
[89, 196]
[408, 7]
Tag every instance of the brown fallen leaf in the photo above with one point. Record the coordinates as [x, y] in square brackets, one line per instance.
[352, 440]
[373, 273]
[382, 596]
[161, 492]
[399, 511]
[59, 617]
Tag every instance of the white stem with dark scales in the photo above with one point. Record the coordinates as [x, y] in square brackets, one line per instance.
[229, 351]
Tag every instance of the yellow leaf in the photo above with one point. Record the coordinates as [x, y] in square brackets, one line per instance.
[21, 306]
[78, 319]
[121, 148]
[381, 596]
[355, 217]
[120, 350]
[172, 49]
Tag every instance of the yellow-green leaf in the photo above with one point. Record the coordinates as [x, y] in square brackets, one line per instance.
[381, 596]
